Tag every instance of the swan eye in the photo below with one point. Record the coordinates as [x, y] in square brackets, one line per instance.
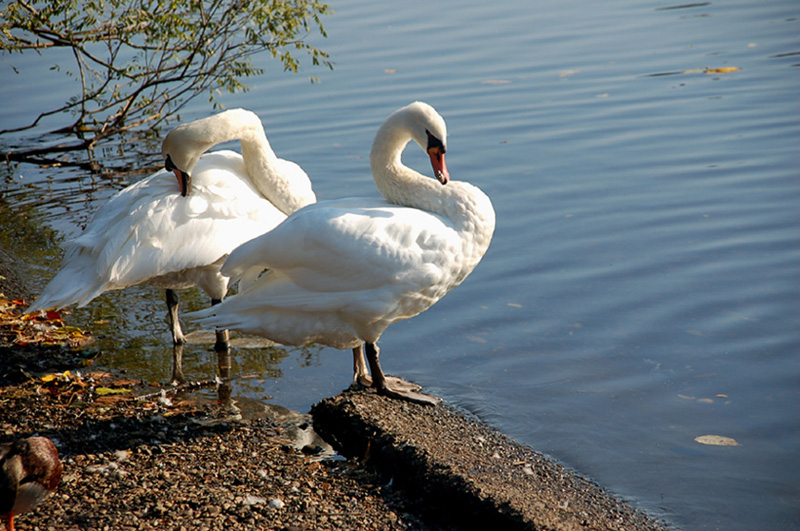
[434, 142]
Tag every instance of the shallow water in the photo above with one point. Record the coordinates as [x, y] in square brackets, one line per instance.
[642, 286]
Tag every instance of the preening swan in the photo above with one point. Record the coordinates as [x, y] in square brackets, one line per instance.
[176, 236]
[341, 271]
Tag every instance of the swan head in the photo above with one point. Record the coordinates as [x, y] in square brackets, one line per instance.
[181, 150]
[429, 130]
[185, 144]
[436, 150]
[184, 177]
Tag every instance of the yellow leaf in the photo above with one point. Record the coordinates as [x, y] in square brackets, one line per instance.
[723, 70]
[50, 377]
[716, 440]
[102, 391]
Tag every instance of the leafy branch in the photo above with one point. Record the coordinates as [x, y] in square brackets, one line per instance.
[138, 62]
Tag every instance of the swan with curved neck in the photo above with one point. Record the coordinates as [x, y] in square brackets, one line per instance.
[175, 237]
[283, 183]
[340, 272]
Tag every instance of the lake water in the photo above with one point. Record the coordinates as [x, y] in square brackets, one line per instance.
[642, 288]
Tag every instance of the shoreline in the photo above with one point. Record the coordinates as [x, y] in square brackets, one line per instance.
[168, 460]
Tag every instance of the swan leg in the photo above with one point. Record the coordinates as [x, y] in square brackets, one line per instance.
[173, 301]
[360, 373]
[384, 387]
[361, 377]
[178, 339]
[177, 365]
[225, 385]
[222, 344]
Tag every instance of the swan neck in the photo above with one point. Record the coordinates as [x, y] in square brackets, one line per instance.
[264, 170]
[398, 183]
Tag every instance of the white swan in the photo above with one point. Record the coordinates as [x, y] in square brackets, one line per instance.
[177, 236]
[340, 272]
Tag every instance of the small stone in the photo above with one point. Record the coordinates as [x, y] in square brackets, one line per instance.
[276, 503]
[254, 500]
[121, 455]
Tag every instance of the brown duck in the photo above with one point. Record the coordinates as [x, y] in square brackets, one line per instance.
[29, 472]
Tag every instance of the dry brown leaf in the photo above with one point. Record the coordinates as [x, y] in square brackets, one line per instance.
[716, 440]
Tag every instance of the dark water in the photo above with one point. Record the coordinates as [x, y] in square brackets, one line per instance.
[643, 285]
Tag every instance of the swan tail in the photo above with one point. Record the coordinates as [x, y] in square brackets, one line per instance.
[76, 283]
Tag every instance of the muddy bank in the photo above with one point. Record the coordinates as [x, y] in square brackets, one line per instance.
[454, 470]
[12, 284]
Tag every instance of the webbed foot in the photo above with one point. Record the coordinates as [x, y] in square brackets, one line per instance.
[409, 396]
[398, 384]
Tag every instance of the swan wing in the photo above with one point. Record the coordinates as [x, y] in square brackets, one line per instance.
[337, 248]
[148, 230]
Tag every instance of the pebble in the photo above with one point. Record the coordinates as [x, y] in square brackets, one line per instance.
[121, 455]
[276, 503]
[254, 500]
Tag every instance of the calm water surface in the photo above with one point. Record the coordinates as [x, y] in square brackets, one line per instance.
[642, 286]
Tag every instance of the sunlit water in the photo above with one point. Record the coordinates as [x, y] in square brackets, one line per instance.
[642, 286]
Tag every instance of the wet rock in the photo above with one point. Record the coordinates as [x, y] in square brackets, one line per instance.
[455, 471]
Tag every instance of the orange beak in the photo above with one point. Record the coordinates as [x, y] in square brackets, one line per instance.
[437, 162]
[184, 179]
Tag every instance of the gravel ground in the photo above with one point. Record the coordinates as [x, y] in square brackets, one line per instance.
[173, 463]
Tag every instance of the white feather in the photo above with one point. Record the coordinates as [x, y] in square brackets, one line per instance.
[149, 233]
[340, 272]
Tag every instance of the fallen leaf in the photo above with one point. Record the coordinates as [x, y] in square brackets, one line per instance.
[50, 377]
[723, 70]
[110, 399]
[716, 440]
[102, 391]
[98, 375]
[124, 382]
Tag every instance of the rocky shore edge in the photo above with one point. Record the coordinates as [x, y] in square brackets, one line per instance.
[455, 470]
[140, 457]
[161, 460]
